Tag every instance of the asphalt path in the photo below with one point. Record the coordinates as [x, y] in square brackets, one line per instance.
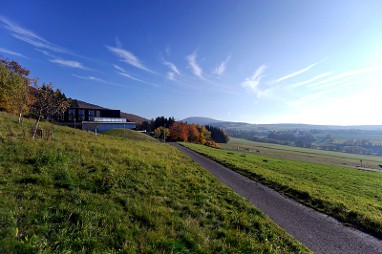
[319, 232]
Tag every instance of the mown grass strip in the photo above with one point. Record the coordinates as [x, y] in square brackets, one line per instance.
[81, 193]
[351, 195]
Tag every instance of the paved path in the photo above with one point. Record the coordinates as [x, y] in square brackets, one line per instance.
[319, 232]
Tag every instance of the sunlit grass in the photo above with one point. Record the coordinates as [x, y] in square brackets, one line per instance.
[304, 154]
[78, 192]
[354, 196]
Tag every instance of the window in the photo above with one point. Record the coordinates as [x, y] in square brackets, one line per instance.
[91, 115]
[81, 115]
[72, 114]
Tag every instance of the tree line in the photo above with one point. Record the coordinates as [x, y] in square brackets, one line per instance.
[171, 130]
[25, 97]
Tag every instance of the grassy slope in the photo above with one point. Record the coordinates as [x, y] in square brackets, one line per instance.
[129, 134]
[304, 154]
[81, 193]
[351, 195]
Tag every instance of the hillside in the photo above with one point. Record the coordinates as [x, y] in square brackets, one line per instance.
[277, 126]
[129, 134]
[74, 191]
[200, 120]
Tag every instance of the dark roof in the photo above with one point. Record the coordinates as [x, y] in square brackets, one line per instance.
[86, 105]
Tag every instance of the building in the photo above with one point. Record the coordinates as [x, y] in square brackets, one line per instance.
[90, 117]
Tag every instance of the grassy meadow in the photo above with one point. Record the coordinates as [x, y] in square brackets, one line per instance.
[130, 135]
[351, 195]
[304, 154]
[81, 193]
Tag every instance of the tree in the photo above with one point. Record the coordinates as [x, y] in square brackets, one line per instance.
[204, 134]
[218, 135]
[47, 103]
[193, 133]
[179, 132]
[162, 132]
[14, 88]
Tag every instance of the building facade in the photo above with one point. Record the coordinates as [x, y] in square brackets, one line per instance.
[91, 117]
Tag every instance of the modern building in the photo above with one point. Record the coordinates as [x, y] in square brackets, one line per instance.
[90, 117]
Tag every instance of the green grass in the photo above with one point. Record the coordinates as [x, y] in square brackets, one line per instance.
[77, 193]
[351, 195]
[129, 134]
[304, 154]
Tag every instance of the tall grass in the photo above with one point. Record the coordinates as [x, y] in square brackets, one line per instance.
[80, 193]
[351, 195]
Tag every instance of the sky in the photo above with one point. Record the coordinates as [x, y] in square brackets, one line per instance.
[281, 61]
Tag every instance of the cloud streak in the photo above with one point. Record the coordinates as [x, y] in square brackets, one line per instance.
[128, 57]
[296, 73]
[68, 63]
[198, 72]
[99, 80]
[13, 53]
[310, 80]
[222, 67]
[173, 70]
[29, 37]
[124, 73]
[347, 74]
[252, 84]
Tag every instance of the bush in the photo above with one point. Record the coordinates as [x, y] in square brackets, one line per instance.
[212, 144]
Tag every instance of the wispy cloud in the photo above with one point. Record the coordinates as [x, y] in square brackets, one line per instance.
[296, 73]
[253, 83]
[99, 80]
[310, 80]
[13, 53]
[311, 97]
[127, 57]
[222, 67]
[124, 73]
[348, 74]
[198, 72]
[173, 70]
[69, 63]
[29, 36]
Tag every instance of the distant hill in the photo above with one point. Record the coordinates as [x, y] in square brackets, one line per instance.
[281, 126]
[133, 118]
[201, 120]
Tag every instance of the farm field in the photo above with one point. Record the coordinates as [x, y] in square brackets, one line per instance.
[351, 195]
[78, 192]
[303, 154]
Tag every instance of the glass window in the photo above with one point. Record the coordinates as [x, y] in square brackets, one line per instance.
[81, 115]
[72, 114]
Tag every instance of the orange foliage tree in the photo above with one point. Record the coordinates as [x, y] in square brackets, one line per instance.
[193, 133]
[179, 132]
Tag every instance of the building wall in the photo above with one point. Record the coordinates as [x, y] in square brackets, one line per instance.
[86, 114]
[102, 126]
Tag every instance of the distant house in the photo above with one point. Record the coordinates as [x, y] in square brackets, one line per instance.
[90, 117]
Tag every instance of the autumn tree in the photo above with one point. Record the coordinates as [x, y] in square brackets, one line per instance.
[204, 134]
[162, 133]
[179, 132]
[47, 103]
[193, 133]
[14, 88]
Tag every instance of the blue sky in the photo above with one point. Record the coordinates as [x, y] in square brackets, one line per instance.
[289, 61]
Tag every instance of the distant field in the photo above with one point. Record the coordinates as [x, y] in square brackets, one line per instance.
[78, 193]
[354, 196]
[304, 154]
